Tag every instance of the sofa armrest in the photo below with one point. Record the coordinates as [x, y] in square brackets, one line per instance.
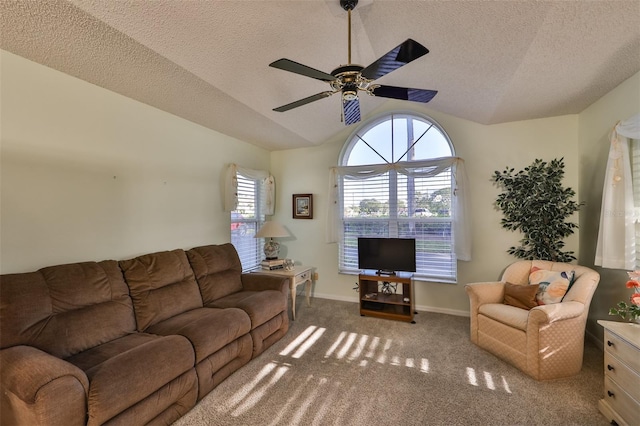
[258, 282]
[38, 388]
[485, 292]
[546, 314]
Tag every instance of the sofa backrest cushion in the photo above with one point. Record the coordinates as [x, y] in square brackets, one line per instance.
[65, 309]
[162, 285]
[218, 270]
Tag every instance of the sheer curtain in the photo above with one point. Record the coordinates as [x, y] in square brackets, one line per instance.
[231, 188]
[616, 236]
[425, 168]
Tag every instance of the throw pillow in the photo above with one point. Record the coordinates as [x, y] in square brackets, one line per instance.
[553, 285]
[521, 296]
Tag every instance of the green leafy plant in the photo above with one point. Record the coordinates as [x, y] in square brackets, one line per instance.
[535, 203]
[631, 310]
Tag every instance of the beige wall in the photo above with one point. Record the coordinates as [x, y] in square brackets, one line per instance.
[87, 174]
[595, 124]
[484, 148]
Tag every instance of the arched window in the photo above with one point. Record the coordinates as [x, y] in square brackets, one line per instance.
[396, 180]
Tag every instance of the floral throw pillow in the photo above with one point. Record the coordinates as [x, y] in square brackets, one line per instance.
[552, 285]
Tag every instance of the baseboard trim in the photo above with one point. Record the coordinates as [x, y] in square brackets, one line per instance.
[437, 310]
[595, 340]
[423, 308]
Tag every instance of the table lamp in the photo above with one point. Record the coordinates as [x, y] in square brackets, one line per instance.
[272, 230]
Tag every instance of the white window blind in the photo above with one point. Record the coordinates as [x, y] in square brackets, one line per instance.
[246, 220]
[399, 205]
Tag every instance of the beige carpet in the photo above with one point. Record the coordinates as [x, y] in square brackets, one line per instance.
[335, 367]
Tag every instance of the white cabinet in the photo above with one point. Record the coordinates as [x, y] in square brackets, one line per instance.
[621, 401]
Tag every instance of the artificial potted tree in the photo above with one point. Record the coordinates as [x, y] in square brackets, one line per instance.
[535, 203]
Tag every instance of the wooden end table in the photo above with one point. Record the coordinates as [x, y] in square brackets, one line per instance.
[299, 275]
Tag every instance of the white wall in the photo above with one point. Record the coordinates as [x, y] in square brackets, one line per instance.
[595, 124]
[484, 148]
[87, 174]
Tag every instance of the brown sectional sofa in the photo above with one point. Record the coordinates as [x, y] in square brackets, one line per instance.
[133, 342]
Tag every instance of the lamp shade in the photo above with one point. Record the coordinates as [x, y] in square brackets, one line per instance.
[272, 229]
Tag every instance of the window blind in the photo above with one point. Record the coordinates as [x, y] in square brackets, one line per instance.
[394, 205]
[246, 220]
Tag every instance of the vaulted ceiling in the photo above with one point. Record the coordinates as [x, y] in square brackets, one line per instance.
[207, 61]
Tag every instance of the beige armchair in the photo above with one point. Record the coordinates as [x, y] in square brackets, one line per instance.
[546, 342]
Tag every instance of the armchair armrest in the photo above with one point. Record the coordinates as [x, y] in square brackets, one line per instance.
[38, 388]
[258, 281]
[485, 292]
[481, 294]
[547, 314]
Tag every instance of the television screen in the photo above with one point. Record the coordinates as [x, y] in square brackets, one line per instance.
[387, 255]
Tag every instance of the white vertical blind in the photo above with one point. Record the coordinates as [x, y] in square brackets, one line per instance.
[246, 220]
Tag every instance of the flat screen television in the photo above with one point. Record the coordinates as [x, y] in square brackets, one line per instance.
[387, 255]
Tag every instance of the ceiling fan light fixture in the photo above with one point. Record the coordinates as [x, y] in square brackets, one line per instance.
[349, 94]
[348, 4]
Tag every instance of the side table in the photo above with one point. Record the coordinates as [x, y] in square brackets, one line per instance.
[299, 275]
[621, 401]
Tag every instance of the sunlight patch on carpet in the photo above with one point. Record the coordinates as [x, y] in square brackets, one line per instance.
[488, 380]
[309, 342]
[347, 345]
[298, 340]
[256, 394]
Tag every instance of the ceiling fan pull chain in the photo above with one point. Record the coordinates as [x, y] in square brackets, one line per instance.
[349, 19]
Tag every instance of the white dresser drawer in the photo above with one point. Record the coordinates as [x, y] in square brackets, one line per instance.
[621, 399]
[621, 402]
[623, 350]
[622, 375]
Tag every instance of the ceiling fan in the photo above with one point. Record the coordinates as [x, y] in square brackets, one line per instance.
[351, 78]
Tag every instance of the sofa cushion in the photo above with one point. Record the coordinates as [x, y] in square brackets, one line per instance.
[521, 296]
[65, 309]
[162, 285]
[261, 306]
[505, 314]
[208, 329]
[553, 285]
[217, 269]
[125, 371]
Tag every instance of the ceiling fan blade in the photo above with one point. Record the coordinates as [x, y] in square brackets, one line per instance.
[292, 66]
[304, 101]
[406, 52]
[351, 111]
[404, 93]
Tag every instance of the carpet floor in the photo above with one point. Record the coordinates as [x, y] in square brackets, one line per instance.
[335, 367]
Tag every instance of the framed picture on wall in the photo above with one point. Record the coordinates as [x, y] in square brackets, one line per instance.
[303, 206]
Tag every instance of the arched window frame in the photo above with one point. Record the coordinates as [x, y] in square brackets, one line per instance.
[455, 227]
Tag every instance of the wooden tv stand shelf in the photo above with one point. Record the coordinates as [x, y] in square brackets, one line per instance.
[394, 306]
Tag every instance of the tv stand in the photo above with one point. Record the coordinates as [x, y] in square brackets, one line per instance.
[375, 303]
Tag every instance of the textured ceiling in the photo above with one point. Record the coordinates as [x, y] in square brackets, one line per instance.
[207, 61]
